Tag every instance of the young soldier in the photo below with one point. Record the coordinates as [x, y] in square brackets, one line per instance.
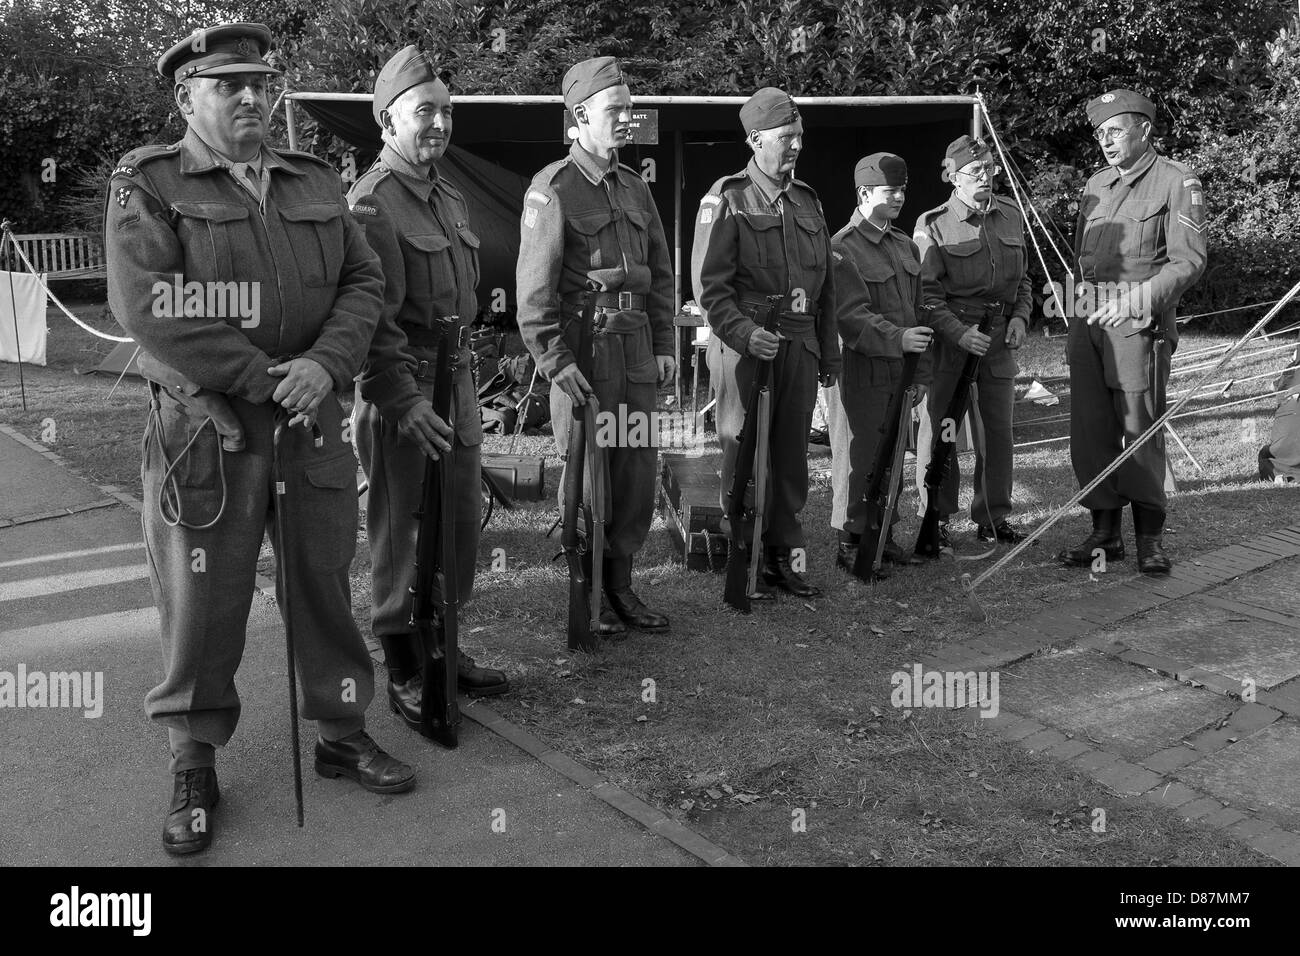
[416, 221]
[1141, 235]
[879, 312]
[761, 233]
[588, 219]
[973, 265]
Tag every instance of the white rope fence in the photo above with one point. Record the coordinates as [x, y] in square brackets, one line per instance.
[13, 244]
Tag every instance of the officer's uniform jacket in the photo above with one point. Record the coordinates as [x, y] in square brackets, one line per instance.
[177, 210]
[419, 227]
[1147, 225]
[877, 291]
[584, 222]
[755, 237]
[968, 260]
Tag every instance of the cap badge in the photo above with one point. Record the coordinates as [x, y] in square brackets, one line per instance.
[244, 46]
[1108, 98]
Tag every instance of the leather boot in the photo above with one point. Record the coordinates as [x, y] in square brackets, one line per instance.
[778, 573]
[189, 824]
[609, 627]
[359, 758]
[618, 588]
[1149, 524]
[1105, 535]
[846, 555]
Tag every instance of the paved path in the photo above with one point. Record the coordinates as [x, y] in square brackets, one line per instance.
[1184, 689]
[79, 790]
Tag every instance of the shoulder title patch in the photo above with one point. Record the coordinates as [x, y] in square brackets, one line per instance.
[365, 210]
[538, 197]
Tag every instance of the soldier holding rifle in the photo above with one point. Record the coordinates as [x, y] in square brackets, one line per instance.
[881, 318]
[590, 225]
[417, 223]
[762, 258]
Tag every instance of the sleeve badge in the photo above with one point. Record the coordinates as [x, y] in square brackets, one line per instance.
[530, 216]
[123, 194]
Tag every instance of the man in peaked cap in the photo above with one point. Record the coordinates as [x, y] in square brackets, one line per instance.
[591, 222]
[1141, 239]
[222, 209]
[761, 233]
[418, 224]
[974, 265]
[880, 315]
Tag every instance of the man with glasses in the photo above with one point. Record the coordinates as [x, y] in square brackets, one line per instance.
[973, 265]
[1141, 241]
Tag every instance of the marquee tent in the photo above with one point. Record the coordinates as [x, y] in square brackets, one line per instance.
[499, 142]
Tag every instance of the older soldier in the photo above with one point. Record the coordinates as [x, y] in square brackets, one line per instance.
[416, 221]
[761, 233]
[1141, 238]
[220, 207]
[879, 311]
[973, 265]
[590, 221]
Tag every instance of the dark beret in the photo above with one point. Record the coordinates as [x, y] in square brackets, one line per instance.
[768, 109]
[216, 51]
[880, 169]
[410, 66]
[1118, 101]
[590, 77]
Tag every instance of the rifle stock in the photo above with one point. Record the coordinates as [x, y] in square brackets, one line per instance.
[886, 474]
[599, 478]
[927, 541]
[581, 630]
[762, 466]
[435, 565]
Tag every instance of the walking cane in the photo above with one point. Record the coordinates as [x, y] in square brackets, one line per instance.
[282, 586]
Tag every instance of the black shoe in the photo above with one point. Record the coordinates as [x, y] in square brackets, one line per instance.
[189, 824]
[404, 699]
[629, 608]
[945, 539]
[1002, 531]
[777, 572]
[359, 758]
[480, 681]
[846, 556]
[1151, 555]
[1105, 535]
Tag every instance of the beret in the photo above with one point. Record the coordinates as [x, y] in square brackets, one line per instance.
[768, 109]
[216, 51]
[1118, 101]
[589, 77]
[410, 66]
[880, 169]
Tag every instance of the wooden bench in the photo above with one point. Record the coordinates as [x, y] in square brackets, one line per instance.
[61, 255]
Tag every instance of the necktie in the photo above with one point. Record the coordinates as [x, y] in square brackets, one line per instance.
[248, 178]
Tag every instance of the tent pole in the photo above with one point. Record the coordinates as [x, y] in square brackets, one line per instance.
[976, 123]
[289, 124]
[679, 180]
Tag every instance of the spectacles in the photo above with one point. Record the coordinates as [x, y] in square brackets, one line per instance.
[1112, 134]
[981, 172]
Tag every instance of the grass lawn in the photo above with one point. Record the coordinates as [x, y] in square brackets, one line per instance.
[752, 718]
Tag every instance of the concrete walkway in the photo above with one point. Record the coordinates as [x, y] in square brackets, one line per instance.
[1183, 690]
[92, 790]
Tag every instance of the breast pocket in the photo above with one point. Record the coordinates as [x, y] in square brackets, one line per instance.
[315, 231]
[811, 239]
[208, 231]
[587, 228]
[638, 222]
[428, 267]
[471, 244]
[760, 240]
[1143, 220]
[967, 264]
[1011, 256]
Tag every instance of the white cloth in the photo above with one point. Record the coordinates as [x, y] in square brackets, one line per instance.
[28, 301]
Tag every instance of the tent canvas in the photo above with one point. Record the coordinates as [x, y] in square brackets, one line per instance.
[500, 142]
[118, 361]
